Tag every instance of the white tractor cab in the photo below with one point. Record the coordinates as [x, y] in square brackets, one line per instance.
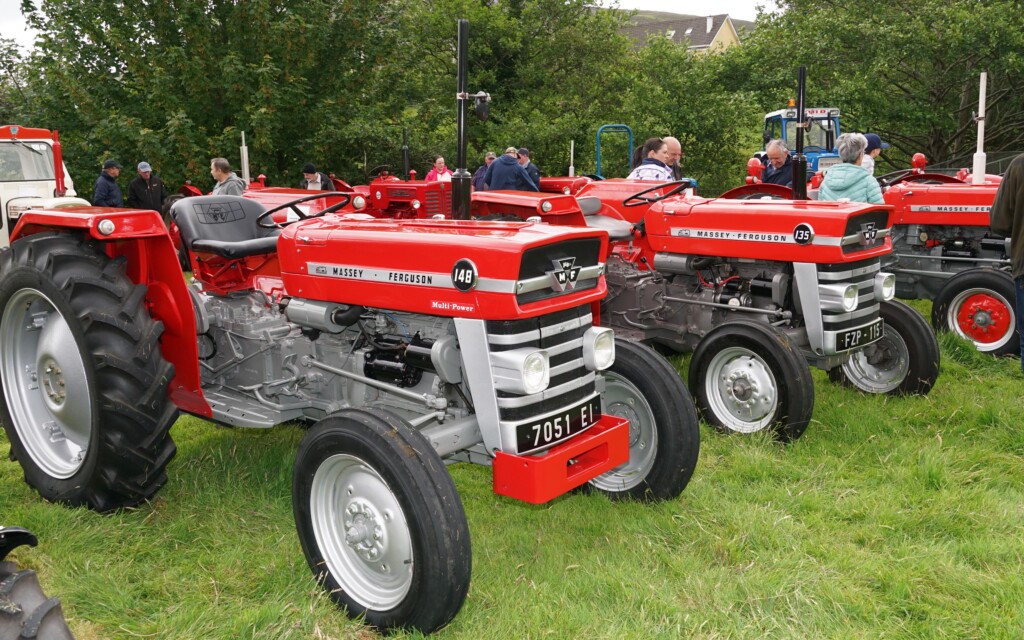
[32, 175]
[819, 138]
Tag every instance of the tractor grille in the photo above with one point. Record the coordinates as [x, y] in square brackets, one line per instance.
[561, 334]
[437, 202]
[559, 269]
[865, 231]
[861, 273]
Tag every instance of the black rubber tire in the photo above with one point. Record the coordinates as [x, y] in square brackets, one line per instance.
[998, 285]
[418, 487]
[664, 432]
[116, 347]
[908, 342]
[755, 353]
[25, 611]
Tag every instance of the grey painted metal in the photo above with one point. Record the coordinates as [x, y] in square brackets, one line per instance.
[741, 390]
[622, 399]
[880, 367]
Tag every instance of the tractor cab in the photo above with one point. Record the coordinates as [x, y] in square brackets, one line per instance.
[819, 138]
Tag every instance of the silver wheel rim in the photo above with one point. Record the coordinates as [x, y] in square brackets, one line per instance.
[741, 390]
[361, 532]
[983, 319]
[623, 400]
[881, 366]
[45, 384]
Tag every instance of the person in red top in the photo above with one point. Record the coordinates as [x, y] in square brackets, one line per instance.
[439, 172]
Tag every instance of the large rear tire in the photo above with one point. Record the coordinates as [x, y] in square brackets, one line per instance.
[25, 611]
[380, 521]
[904, 361]
[747, 377]
[85, 401]
[664, 433]
[978, 305]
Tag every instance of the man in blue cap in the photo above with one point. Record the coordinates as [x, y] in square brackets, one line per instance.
[875, 146]
[106, 192]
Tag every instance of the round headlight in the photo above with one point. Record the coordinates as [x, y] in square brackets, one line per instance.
[106, 226]
[885, 286]
[545, 206]
[850, 298]
[359, 202]
[535, 372]
[566, 190]
[415, 204]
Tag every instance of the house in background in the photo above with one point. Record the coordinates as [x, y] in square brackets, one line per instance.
[698, 33]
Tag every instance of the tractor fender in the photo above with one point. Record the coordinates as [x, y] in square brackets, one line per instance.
[142, 239]
[751, 191]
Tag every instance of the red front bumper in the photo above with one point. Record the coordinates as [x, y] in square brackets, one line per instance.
[538, 479]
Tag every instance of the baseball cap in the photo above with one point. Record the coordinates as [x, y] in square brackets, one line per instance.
[144, 166]
[875, 142]
[309, 168]
[111, 164]
[490, 154]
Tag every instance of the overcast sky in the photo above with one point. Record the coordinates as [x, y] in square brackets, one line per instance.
[12, 24]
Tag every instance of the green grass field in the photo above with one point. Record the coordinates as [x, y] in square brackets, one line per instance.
[889, 518]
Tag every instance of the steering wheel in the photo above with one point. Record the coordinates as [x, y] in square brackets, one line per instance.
[641, 197]
[261, 221]
[379, 169]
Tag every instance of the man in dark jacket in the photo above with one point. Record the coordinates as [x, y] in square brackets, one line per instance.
[531, 169]
[106, 192]
[481, 171]
[314, 180]
[506, 173]
[779, 169]
[147, 190]
[1007, 219]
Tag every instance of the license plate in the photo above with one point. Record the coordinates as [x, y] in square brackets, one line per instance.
[555, 427]
[853, 338]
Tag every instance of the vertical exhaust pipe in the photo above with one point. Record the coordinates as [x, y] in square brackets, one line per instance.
[978, 172]
[799, 159]
[461, 178]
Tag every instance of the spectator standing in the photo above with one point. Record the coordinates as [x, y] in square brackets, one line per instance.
[779, 169]
[228, 184]
[439, 172]
[147, 190]
[848, 180]
[106, 192]
[875, 146]
[675, 157]
[1007, 219]
[654, 165]
[506, 173]
[478, 175]
[531, 169]
[314, 180]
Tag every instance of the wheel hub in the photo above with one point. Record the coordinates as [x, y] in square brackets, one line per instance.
[743, 387]
[983, 318]
[53, 382]
[626, 408]
[364, 531]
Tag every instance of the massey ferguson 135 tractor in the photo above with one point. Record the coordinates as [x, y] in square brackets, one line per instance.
[756, 290]
[458, 342]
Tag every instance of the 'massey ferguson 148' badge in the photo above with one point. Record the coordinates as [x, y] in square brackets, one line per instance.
[464, 275]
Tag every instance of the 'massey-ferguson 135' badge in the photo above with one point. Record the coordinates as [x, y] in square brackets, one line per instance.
[564, 275]
[464, 275]
[803, 233]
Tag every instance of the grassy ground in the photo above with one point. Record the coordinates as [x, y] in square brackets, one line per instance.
[889, 518]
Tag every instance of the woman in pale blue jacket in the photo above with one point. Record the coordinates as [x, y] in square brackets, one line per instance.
[849, 181]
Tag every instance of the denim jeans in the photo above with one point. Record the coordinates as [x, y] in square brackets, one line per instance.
[1019, 286]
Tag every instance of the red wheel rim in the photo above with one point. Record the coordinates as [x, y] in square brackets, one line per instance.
[984, 318]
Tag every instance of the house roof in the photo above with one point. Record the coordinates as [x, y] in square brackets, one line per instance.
[695, 32]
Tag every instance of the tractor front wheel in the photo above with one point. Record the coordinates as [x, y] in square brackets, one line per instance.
[748, 377]
[664, 433]
[85, 401]
[904, 361]
[978, 305]
[380, 521]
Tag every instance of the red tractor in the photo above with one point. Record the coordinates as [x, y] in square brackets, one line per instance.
[943, 250]
[459, 342]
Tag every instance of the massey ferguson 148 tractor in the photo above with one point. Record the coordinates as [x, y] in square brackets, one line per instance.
[406, 344]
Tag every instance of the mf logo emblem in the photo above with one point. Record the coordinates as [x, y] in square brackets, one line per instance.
[564, 275]
[868, 231]
[321, 270]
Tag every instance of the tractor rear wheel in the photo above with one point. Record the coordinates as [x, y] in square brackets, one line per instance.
[85, 401]
[664, 433]
[25, 611]
[978, 305]
[904, 361]
[746, 377]
[380, 521]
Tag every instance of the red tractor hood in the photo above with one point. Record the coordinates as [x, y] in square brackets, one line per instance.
[789, 230]
[941, 204]
[495, 270]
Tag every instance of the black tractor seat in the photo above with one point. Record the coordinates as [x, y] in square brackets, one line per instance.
[223, 225]
[617, 229]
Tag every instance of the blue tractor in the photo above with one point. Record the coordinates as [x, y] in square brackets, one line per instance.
[819, 138]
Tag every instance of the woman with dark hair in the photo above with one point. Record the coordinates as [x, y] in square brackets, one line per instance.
[654, 165]
[439, 172]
